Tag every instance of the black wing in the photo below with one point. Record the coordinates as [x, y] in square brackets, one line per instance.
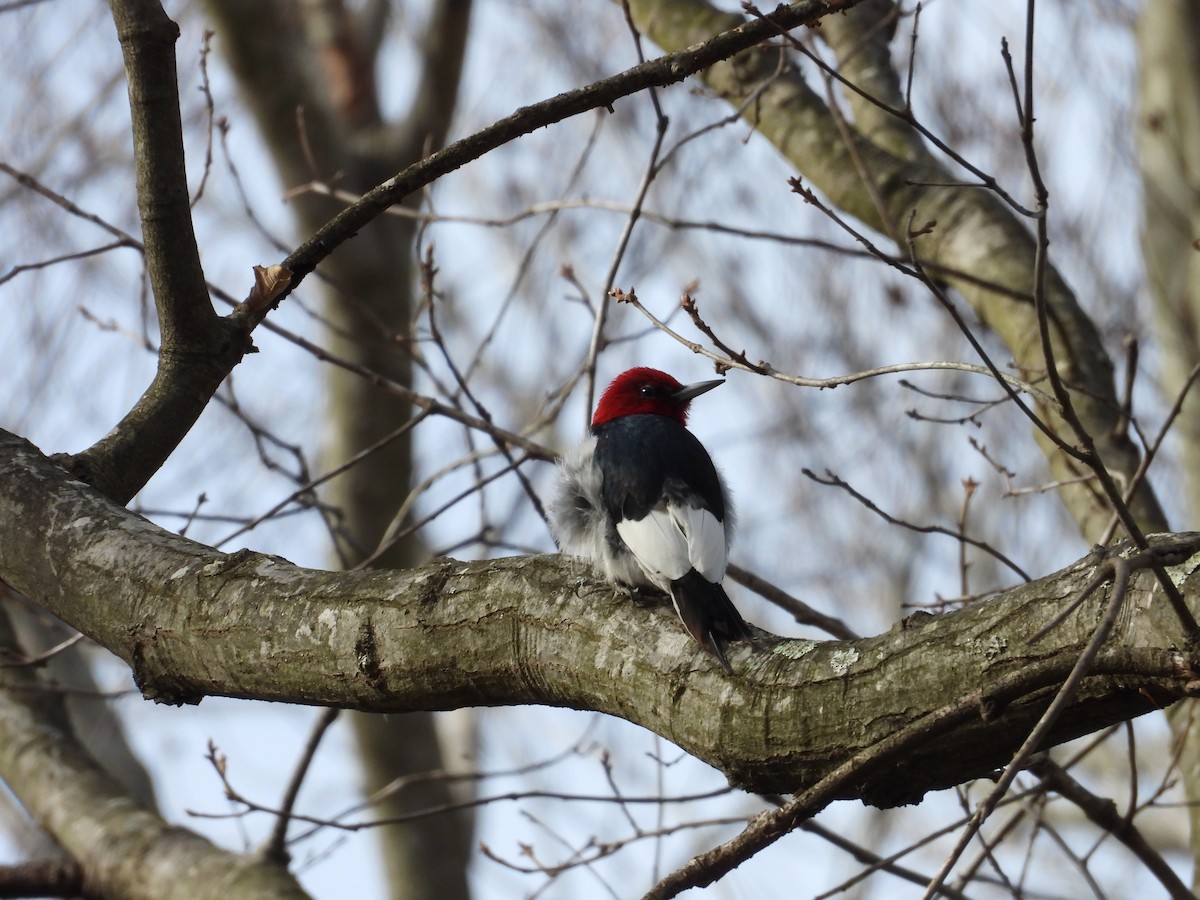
[646, 459]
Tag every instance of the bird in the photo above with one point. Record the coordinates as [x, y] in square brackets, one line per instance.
[641, 499]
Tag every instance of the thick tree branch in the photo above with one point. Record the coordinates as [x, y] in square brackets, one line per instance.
[193, 622]
[186, 317]
[44, 878]
[123, 849]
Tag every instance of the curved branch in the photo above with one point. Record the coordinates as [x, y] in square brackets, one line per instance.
[193, 622]
[186, 317]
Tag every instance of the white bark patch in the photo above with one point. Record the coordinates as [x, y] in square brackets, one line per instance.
[1180, 573]
[178, 573]
[794, 649]
[841, 660]
[328, 618]
[81, 522]
[991, 648]
[267, 567]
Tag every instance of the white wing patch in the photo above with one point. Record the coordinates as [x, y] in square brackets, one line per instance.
[668, 542]
[706, 541]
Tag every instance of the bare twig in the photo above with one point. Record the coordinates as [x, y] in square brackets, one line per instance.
[768, 827]
[210, 113]
[596, 344]
[41, 658]
[667, 69]
[1089, 455]
[905, 115]
[873, 861]
[1103, 812]
[765, 368]
[799, 610]
[276, 846]
[833, 481]
[428, 273]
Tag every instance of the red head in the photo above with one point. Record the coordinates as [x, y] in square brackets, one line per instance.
[644, 390]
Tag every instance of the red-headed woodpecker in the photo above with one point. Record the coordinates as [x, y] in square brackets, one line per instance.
[642, 500]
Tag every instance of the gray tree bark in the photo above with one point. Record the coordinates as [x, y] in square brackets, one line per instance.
[123, 848]
[193, 622]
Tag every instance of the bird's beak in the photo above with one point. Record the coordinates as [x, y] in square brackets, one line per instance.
[690, 391]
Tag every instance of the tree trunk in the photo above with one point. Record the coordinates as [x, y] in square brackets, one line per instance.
[1169, 154]
[369, 306]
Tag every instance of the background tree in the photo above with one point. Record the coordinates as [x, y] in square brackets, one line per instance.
[906, 251]
[319, 80]
[1169, 159]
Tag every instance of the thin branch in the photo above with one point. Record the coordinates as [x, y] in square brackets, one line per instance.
[797, 608]
[276, 846]
[42, 658]
[768, 827]
[978, 347]
[667, 69]
[1103, 812]
[428, 273]
[905, 115]
[65, 257]
[875, 862]
[1120, 569]
[308, 489]
[596, 343]
[1154, 446]
[1090, 456]
[833, 481]
[765, 368]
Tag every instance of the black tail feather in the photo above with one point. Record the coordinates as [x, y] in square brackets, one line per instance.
[708, 614]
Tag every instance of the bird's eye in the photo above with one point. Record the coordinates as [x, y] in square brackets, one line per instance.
[646, 390]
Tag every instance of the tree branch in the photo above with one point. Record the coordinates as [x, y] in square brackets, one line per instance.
[188, 375]
[198, 348]
[44, 878]
[1103, 812]
[123, 849]
[193, 622]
